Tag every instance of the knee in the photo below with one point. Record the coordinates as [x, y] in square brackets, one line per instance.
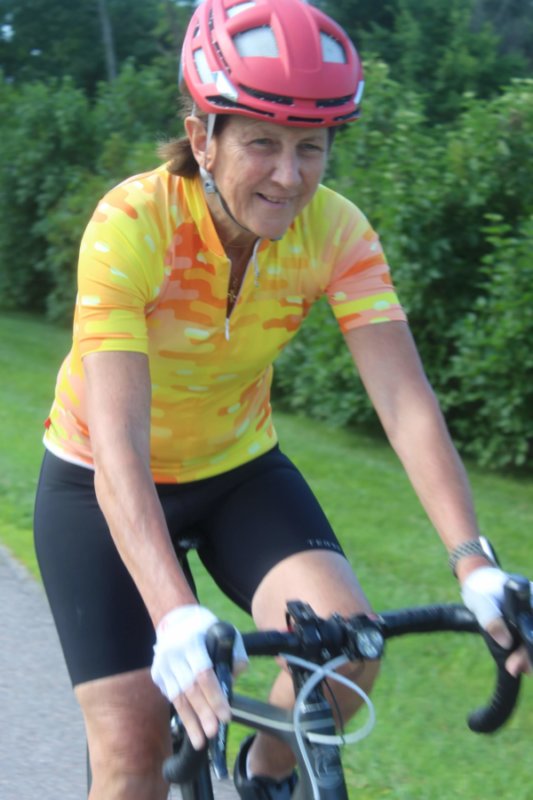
[128, 762]
[346, 701]
[363, 673]
[124, 770]
[127, 753]
[127, 724]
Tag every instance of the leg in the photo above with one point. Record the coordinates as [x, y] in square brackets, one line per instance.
[326, 581]
[127, 725]
[269, 541]
[106, 636]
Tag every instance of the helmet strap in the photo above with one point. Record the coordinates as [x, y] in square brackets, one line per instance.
[208, 178]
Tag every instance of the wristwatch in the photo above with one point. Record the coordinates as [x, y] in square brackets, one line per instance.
[473, 547]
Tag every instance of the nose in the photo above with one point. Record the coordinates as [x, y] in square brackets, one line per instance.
[287, 169]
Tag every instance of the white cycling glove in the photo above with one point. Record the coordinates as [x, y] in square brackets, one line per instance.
[482, 593]
[180, 653]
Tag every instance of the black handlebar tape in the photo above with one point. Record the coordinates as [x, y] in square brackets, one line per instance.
[500, 707]
[517, 612]
[185, 764]
[428, 619]
[504, 698]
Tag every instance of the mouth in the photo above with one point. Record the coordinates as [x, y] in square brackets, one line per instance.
[275, 201]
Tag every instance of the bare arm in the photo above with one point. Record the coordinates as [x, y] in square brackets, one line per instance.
[118, 399]
[391, 371]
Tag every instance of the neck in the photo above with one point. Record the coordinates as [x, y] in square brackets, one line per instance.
[235, 239]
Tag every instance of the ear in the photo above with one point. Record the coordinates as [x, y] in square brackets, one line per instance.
[197, 135]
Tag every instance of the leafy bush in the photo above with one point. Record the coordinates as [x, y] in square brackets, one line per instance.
[427, 189]
[428, 192]
[46, 131]
[494, 366]
[57, 160]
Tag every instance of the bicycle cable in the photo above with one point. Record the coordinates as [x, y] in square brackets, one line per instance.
[320, 673]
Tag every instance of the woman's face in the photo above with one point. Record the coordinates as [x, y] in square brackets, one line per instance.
[266, 174]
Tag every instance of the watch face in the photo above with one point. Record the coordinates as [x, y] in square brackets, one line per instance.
[488, 549]
[370, 643]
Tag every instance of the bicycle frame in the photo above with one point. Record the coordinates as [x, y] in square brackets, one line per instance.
[321, 775]
[325, 761]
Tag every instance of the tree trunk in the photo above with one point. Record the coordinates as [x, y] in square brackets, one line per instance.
[107, 40]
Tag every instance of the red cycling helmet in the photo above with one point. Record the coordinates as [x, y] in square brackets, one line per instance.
[278, 60]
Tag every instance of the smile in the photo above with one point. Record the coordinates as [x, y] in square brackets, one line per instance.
[279, 201]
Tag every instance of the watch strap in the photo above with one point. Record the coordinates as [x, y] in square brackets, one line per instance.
[473, 547]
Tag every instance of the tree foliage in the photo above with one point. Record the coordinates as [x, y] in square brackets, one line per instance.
[45, 39]
[442, 49]
[493, 368]
[429, 192]
[438, 162]
[50, 183]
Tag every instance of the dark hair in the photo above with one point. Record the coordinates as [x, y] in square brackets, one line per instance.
[178, 152]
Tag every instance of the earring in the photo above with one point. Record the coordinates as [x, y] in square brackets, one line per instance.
[208, 181]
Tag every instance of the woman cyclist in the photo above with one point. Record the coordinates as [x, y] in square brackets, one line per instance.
[192, 278]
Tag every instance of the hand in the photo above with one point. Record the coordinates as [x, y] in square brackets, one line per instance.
[183, 671]
[482, 593]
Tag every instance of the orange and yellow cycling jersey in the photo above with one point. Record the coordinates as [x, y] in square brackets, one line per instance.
[153, 278]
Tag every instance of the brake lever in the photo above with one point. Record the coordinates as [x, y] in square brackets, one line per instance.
[186, 763]
[518, 611]
[219, 641]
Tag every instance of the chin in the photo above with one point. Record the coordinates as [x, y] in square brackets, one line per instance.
[272, 232]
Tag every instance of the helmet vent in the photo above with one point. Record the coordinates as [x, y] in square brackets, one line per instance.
[306, 120]
[257, 42]
[280, 99]
[331, 102]
[224, 102]
[348, 117]
[202, 67]
[332, 50]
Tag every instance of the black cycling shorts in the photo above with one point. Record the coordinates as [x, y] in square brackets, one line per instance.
[245, 522]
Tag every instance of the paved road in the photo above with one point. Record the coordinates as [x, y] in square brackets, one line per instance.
[42, 743]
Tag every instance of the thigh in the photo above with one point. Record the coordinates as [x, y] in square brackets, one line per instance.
[323, 579]
[101, 620]
[271, 517]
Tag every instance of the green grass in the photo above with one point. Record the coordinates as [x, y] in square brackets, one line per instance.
[421, 748]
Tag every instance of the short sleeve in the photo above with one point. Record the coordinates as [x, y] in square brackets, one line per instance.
[360, 289]
[120, 272]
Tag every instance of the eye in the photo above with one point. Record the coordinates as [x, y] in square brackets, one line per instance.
[312, 148]
[262, 142]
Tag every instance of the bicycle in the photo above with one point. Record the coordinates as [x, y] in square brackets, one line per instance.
[312, 644]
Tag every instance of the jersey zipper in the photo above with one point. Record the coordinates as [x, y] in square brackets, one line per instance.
[254, 259]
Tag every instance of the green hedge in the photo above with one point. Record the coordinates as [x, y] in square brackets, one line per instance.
[431, 192]
[60, 153]
[453, 206]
